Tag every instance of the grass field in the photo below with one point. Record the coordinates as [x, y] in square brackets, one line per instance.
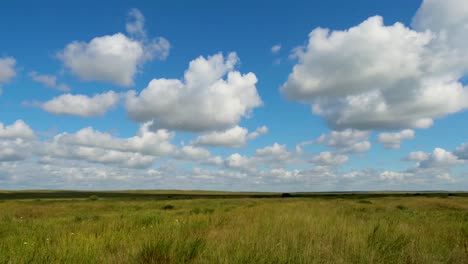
[335, 229]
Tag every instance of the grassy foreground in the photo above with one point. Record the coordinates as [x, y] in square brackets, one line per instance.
[274, 230]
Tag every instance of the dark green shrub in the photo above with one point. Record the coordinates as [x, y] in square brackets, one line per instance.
[209, 210]
[168, 207]
[401, 207]
[93, 198]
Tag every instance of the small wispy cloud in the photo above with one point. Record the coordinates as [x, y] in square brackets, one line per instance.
[276, 48]
[49, 81]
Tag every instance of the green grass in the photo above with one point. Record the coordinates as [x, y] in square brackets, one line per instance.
[246, 230]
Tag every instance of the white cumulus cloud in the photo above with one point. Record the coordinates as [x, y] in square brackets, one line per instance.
[374, 76]
[440, 158]
[18, 130]
[81, 105]
[417, 156]
[240, 162]
[392, 175]
[193, 153]
[202, 101]
[346, 141]
[114, 58]
[276, 152]
[95, 155]
[329, 159]
[145, 141]
[393, 140]
[232, 138]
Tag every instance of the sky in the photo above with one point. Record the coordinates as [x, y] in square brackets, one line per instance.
[252, 96]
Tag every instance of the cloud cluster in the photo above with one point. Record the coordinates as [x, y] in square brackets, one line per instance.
[437, 164]
[202, 101]
[374, 76]
[275, 153]
[90, 145]
[94, 155]
[329, 159]
[440, 158]
[392, 175]
[431, 166]
[370, 76]
[114, 58]
[274, 156]
[145, 141]
[193, 153]
[346, 141]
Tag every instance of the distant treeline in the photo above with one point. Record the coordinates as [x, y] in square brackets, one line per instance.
[15, 195]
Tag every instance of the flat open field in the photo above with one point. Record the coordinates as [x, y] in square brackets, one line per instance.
[327, 228]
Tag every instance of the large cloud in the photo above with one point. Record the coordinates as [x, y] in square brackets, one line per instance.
[202, 101]
[81, 105]
[448, 17]
[114, 58]
[373, 76]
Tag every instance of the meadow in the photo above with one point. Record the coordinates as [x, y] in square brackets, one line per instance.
[234, 229]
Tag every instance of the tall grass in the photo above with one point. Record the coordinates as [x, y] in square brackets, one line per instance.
[292, 230]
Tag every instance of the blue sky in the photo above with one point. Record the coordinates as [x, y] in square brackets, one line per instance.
[302, 96]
